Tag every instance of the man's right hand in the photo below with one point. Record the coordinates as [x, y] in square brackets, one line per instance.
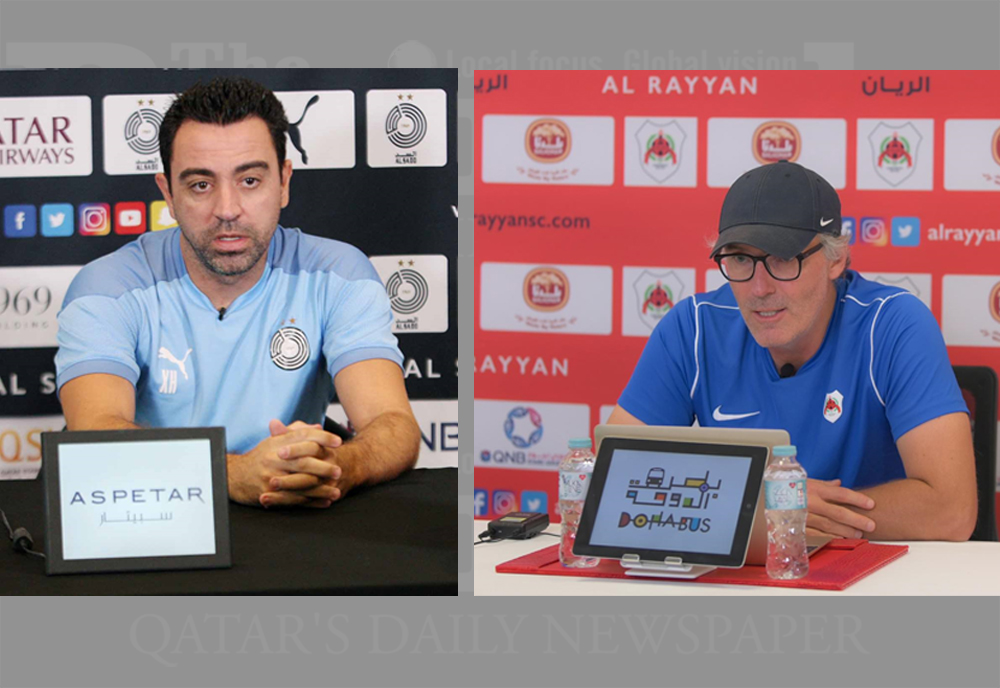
[828, 517]
[291, 456]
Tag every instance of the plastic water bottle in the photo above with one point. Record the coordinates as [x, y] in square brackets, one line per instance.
[574, 480]
[785, 508]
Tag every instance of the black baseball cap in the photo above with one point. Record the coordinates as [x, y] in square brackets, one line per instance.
[778, 208]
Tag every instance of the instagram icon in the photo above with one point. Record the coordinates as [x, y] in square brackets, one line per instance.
[95, 219]
[873, 231]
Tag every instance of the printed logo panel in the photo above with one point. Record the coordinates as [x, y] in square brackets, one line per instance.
[917, 283]
[526, 434]
[648, 294]
[30, 298]
[320, 129]
[407, 128]
[46, 137]
[438, 421]
[895, 155]
[417, 286]
[538, 149]
[131, 132]
[738, 144]
[571, 299]
[970, 310]
[714, 279]
[972, 154]
[21, 445]
[661, 151]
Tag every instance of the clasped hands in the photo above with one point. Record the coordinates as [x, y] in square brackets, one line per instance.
[828, 513]
[295, 466]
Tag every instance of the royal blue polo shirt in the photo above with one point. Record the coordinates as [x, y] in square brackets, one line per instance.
[881, 371]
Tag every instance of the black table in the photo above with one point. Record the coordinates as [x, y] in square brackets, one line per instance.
[399, 537]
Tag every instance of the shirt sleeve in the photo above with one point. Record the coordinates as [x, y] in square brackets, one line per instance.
[659, 392]
[910, 367]
[97, 334]
[359, 321]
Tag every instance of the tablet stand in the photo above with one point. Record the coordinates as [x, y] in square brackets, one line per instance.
[671, 567]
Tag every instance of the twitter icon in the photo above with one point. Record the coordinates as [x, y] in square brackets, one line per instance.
[906, 231]
[57, 220]
[534, 501]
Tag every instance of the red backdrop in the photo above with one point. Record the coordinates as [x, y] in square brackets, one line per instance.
[547, 361]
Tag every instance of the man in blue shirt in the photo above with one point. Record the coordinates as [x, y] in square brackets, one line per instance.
[230, 319]
[856, 371]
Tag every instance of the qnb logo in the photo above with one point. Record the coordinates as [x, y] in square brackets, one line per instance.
[168, 378]
[407, 290]
[145, 495]
[501, 458]
[523, 427]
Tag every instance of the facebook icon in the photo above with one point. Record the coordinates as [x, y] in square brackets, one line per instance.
[479, 503]
[19, 221]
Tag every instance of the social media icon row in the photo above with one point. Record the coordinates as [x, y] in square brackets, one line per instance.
[92, 219]
[900, 231]
[505, 501]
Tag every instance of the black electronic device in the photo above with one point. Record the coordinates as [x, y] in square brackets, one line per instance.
[517, 526]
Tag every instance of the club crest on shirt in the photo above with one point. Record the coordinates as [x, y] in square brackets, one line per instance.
[833, 407]
[289, 348]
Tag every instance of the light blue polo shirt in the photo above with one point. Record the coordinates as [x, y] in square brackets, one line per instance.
[319, 307]
[881, 371]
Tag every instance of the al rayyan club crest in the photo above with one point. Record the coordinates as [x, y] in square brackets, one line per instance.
[660, 149]
[894, 151]
[656, 294]
[833, 407]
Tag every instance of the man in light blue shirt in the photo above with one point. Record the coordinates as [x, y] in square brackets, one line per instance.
[855, 371]
[230, 319]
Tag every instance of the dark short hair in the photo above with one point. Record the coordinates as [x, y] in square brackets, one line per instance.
[224, 100]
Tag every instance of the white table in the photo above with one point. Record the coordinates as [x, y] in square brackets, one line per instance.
[928, 568]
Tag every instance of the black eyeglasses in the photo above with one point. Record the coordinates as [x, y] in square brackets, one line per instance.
[740, 267]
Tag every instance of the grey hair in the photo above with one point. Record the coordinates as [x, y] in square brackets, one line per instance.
[834, 247]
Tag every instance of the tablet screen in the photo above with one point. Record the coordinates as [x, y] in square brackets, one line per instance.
[663, 499]
[136, 499]
[671, 501]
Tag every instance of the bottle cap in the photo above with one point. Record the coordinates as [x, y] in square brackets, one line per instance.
[784, 450]
[580, 443]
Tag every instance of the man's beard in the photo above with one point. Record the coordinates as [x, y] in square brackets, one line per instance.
[226, 264]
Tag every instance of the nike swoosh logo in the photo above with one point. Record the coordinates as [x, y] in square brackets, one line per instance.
[718, 415]
[824, 223]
